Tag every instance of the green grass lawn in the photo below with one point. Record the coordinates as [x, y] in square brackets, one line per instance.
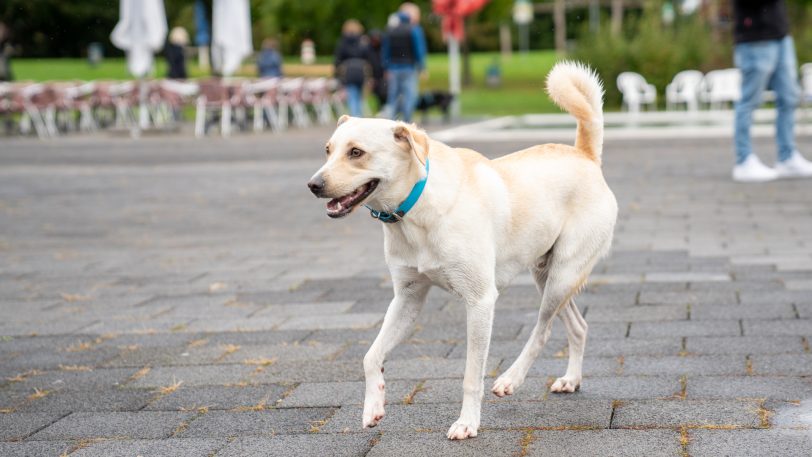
[522, 89]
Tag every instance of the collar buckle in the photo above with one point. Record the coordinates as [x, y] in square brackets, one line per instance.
[405, 205]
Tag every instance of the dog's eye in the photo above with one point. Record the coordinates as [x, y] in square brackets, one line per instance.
[327, 150]
[355, 153]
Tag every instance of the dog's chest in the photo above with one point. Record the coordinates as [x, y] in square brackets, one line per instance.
[414, 250]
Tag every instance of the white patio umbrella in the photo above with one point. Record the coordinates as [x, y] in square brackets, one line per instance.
[231, 35]
[141, 31]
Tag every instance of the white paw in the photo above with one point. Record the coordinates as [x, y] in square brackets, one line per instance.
[565, 385]
[504, 385]
[373, 409]
[461, 431]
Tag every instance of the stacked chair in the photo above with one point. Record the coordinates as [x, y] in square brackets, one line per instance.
[49, 110]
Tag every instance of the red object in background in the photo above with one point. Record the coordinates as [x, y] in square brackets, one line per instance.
[453, 11]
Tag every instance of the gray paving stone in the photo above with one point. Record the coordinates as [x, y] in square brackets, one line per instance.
[750, 443]
[52, 359]
[145, 424]
[407, 350]
[16, 426]
[322, 394]
[672, 413]
[638, 313]
[154, 448]
[283, 352]
[774, 296]
[550, 413]
[99, 378]
[320, 445]
[260, 337]
[341, 336]
[217, 397]
[399, 418]
[691, 365]
[688, 297]
[35, 448]
[593, 366]
[432, 368]
[800, 327]
[792, 414]
[685, 328]
[762, 311]
[324, 371]
[457, 333]
[744, 344]
[306, 309]
[68, 400]
[599, 443]
[268, 422]
[199, 375]
[783, 364]
[349, 321]
[487, 443]
[773, 387]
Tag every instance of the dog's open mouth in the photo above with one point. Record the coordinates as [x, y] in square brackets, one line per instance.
[340, 207]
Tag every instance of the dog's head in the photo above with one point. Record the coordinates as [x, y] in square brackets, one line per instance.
[369, 160]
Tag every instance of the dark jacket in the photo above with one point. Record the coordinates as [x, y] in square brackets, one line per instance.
[759, 20]
[176, 60]
[352, 60]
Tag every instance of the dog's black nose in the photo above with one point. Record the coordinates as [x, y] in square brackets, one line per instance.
[316, 185]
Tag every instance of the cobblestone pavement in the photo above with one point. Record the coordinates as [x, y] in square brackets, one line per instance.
[171, 297]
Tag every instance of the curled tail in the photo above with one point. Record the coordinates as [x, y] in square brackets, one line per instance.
[577, 89]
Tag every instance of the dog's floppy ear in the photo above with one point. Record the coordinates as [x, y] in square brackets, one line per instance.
[344, 118]
[416, 140]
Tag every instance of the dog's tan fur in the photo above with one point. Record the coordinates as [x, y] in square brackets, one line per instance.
[477, 224]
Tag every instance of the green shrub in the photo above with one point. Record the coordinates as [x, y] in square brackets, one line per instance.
[654, 50]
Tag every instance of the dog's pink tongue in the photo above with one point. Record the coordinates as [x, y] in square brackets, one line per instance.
[334, 204]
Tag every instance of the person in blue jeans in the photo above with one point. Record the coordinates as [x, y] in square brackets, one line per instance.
[352, 64]
[404, 57]
[765, 54]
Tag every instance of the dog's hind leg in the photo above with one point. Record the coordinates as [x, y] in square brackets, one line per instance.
[576, 340]
[560, 278]
[410, 295]
[514, 376]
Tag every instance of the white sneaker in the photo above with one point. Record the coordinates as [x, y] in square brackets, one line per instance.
[752, 170]
[794, 167]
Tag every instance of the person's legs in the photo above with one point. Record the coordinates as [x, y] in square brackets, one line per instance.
[354, 100]
[787, 93]
[391, 108]
[410, 94]
[757, 61]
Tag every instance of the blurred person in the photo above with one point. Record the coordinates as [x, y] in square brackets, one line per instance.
[269, 62]
[308, 52]
[378, 74]
[176, 53]
[5, 53]
[404, 57]
[765, 54]
[352, 64]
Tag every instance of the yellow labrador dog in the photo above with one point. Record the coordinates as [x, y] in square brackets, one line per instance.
[454, 219]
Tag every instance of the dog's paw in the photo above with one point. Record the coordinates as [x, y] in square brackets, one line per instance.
[504, 385]
[565, 385]
[461, 431]
[373, 410]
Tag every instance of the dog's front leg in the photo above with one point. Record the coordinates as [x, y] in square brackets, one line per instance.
[410, 294]
[480, 320]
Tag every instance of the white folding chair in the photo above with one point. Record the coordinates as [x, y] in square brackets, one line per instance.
[684, 89]
[637, 92]
[721, 88]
